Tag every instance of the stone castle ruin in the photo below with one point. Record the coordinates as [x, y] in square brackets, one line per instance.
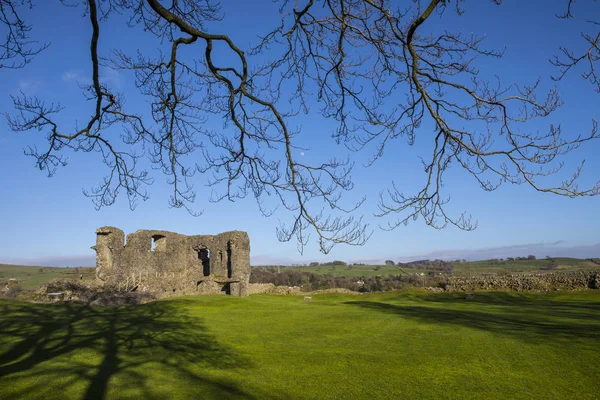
[168, 263]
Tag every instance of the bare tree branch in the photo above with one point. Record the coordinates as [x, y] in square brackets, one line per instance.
[381, 72]
[587, 58]
[415, 78]
[17, 49]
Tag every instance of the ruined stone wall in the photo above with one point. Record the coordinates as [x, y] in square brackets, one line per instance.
[527, 282]
[238, 252]
[260, 288]
[170, 263]
[109, 245]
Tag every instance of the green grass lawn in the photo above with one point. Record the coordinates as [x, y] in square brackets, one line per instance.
[401, 345]
[32, 277]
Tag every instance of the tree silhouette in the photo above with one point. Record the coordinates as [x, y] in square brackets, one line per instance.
[118, 341]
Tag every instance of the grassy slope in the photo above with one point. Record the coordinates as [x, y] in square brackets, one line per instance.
[32, 277]
[408, 345]
[471, 267]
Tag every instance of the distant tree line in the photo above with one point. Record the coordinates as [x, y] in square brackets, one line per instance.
[430, 265]
[530, 257]
[310, 282]
[328, 264]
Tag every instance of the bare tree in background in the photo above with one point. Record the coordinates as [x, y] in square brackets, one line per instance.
[371, 65]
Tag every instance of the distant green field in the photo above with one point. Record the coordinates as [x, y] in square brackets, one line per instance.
[516, 266]
[400, 345]
[32, 277]
[462, 268]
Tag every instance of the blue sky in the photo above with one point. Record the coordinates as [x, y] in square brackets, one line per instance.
[49, 221]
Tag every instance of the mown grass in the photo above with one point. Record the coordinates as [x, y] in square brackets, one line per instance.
[32, 277]
[402, 345]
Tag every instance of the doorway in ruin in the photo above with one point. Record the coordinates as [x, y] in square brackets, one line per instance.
[226, 288]
[204, 257]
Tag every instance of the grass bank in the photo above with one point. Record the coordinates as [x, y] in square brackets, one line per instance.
[31, 278]
[409, 345]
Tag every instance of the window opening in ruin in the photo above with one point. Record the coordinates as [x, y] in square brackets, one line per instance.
[204, 256]
[159, 243]
[229, 267]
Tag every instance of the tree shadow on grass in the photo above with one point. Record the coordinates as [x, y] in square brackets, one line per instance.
[49, 343]
[518, 298]
[529, 321]
[538, 304]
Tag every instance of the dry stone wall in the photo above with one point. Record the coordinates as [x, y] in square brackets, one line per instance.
[527, 282]
[168, 263]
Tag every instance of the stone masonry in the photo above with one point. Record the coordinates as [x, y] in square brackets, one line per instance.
[576, 280]
[169, 263]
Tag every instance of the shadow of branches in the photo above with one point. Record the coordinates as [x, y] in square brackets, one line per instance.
[527, 319]
[130, 342]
